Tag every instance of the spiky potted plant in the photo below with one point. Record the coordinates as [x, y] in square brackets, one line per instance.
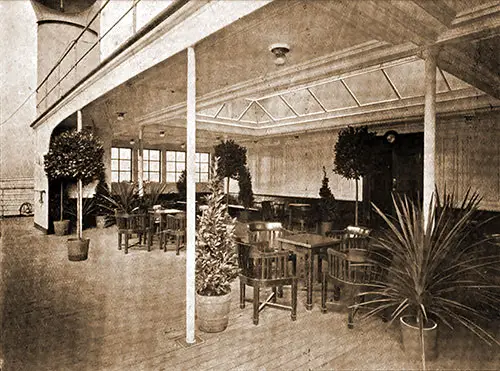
[216, 260]
[75, 155]
[433, 273]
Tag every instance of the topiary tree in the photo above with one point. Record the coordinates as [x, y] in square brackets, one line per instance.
[181, 185]
[327, 204]
[245, 195]
[75, 155]
[354, 157]
[231, 159]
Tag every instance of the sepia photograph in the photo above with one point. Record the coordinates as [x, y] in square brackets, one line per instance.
[249, 185]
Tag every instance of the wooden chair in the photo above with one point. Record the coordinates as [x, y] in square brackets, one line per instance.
[133, 226]
[266, 232]
[176, 229]
[262, 268]
[353, 270]
[267, 210]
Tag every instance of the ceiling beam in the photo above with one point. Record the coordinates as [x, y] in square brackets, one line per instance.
[437, 9]
[460, 63]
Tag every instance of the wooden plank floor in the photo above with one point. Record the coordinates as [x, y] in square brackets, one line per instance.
[125, 312]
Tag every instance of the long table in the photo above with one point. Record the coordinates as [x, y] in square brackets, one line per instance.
[309, 245]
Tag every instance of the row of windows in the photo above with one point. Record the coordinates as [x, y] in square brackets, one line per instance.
[121, 165]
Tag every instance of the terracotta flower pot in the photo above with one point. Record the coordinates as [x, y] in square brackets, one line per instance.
[61, 227]
[410, 335]
[78, 249]
[213, 312]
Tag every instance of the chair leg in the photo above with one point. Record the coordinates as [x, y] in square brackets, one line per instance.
[119, 241]
[320, 268]
[294, 300]
[177, 244]
[126, 243]
[256, 297]
[350, 316]
[149, 237]
[242, 294]
[324, 290]
[336, 293]
[275, 293]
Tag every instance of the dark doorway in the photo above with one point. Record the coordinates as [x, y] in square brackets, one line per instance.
[401, 172]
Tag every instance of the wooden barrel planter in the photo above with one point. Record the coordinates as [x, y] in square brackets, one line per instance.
[78, 250]
[213, 312]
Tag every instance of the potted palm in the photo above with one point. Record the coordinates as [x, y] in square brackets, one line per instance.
[216, 260]
[435, 273]
[326, 206]
[75, 155]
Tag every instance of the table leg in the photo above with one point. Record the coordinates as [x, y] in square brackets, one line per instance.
[309, 278]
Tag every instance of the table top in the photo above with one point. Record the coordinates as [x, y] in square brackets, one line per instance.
[299, 205]
[166, 211]
[309, 240]
[240, 207]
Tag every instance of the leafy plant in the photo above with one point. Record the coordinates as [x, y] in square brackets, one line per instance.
[151, 197]
[74, 155]
[435, 270]
[245, 196]
[327, 205]
[232, 158]
[124, 198]
[181, 185]
[216, 260]
[354, 157]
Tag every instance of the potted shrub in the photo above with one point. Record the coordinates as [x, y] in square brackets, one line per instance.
[435, 273]
[354, 157]
[326, 206]
[216, 259]
[75, 155]
[232, 158]
[245, 196]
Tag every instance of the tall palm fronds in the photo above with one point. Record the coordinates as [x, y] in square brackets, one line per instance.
[439, 269]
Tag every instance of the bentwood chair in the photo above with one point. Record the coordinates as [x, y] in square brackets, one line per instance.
[261, 267]
[352, 270]
[133, 226]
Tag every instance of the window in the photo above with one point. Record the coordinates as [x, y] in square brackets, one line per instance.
[151, 165]
[121, 164]
[176, 163]
[202, 167]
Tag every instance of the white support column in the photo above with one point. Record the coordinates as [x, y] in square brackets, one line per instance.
[190, 196]
[79, 199]
[140, 163]
[430, 56]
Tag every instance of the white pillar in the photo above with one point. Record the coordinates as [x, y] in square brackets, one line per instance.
[140, 163]
[430, 56]
[79, 199]
[190, 196]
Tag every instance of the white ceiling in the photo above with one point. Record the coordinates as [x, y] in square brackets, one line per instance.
[344, 56]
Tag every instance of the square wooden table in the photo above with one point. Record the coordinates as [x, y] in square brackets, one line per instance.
[309, 245]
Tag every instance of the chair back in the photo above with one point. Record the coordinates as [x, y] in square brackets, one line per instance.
[133, 222]
[351, 267]
[265, 266]
[265, 232]
[267, 210]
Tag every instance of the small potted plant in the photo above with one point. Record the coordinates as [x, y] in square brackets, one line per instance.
[75, 155]
[433, 274]
[216, 259]
[326, 206]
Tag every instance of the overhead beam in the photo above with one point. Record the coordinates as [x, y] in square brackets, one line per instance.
[437, 9]
[460, 63]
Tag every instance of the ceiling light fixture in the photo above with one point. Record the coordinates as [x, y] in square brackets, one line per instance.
[162, 133]
[279, 50]
[132, 141]
[120, 116]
